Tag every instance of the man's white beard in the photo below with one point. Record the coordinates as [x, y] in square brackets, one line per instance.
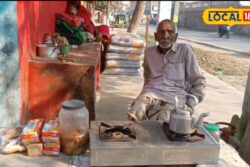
[165, 46]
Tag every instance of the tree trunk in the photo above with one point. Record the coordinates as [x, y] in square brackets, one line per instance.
[136, 17]
[246, 103]
[244, 149]
[108, 8]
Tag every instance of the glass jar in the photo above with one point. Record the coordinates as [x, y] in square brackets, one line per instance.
[214, 130]
[74, 127]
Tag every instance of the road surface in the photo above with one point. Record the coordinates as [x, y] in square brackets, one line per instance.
[234, 43]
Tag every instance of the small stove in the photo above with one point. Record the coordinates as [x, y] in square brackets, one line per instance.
[127, 143]
[116, 133]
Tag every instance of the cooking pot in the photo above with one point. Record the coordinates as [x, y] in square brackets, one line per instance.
[46, 50]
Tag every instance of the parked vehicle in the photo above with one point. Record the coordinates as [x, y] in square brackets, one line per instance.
[224, 30]
[120, 21]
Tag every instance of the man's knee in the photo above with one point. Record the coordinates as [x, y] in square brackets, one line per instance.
[166, 109]
[138, 108]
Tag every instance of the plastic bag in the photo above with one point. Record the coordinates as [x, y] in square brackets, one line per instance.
[123, 64]
[122, 56]
[123, 71]
[121, 49]
[15, 145]
[128, 40]
[10, 140]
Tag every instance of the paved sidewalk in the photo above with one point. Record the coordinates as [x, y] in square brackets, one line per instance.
[22, 160]
[118, 91]
[113, 100]
[116, 94]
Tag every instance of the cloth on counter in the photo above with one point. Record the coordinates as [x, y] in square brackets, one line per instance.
[123, 64]
[77, 15]
[75, 36]
[74, 21]
[119, 49]
[104, 30]
[90, 27]
[128, 40]
[122, 56]
[123, 71]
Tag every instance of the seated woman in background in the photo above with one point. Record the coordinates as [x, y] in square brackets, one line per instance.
[101, 33]
[75, 8]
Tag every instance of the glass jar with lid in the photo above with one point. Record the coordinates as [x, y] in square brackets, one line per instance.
[74, 127]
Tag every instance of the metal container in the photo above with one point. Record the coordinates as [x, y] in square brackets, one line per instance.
[46, 51]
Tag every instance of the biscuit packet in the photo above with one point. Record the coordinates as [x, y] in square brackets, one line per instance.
[31, 132]
[50, 131]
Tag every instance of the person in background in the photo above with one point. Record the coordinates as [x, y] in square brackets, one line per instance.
[101, 33]
[170, 70]
[75, 8]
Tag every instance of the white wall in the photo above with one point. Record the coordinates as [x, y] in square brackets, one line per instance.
[165, 10]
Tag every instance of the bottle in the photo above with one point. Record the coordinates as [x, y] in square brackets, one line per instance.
[74, 127]
[214, 130]
[47, 38]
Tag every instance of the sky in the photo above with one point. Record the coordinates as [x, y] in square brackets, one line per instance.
[245, 3]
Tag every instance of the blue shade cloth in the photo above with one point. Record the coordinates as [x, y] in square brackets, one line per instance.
[10, 91]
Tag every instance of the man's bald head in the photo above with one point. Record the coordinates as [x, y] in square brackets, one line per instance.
[169, 22]
[166, 34]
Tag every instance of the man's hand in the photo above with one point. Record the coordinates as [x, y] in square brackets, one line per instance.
[191, 103]
[132, 116]
[190, 109]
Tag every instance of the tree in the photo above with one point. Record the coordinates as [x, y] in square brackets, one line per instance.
[136, 17]
[244, 149]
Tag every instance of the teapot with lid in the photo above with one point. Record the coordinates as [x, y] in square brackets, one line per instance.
[181, 120]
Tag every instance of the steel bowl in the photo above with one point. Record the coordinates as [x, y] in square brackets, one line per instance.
[47, 51]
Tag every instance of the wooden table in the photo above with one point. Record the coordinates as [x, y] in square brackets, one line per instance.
[51, 81]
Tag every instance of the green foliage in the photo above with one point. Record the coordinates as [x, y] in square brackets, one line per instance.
[101, 5]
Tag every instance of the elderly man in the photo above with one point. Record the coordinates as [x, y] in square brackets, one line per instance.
[170, 70]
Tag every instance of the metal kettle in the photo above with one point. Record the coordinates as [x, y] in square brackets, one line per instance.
[181, 120]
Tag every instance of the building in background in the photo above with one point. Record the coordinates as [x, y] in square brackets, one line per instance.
[165, 10]
[191, 15]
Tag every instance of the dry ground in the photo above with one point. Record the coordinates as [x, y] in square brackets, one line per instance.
[225, 66]
[229, 66]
